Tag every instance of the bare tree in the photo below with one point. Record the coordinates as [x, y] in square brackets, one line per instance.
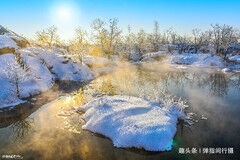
[129, 43]
[155, 37]
[182, 44]
[107, 38]
[200, 39]
[171, 36]
[141, 42]
[114, 34]
[48, 37]
[100, 32]
[79, 46]
[222, 38]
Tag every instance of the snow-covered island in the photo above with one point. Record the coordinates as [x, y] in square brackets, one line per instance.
[133, 122]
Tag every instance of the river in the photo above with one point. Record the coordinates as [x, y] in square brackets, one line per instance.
[50, 128]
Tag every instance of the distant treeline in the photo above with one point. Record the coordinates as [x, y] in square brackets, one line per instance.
[106, 38]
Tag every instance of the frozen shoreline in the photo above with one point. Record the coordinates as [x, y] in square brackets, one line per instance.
[196, 60]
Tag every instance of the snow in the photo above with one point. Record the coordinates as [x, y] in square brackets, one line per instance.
[201, 60]
[7, 42]
[235, 58]
[8, 95]
[40, 78]
[38, 73]
[235, 46]
[62, 68]
[197, 60]
[209, 61]
[184, 59]
[133, 122]
[13, 36]
[135, 56]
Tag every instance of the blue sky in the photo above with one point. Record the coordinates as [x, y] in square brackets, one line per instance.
[28, 16]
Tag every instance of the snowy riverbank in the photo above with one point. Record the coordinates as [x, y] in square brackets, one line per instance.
[196, 60]
[29, 71]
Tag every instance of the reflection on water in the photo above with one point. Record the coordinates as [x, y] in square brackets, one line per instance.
[54, 131]
[21, 129]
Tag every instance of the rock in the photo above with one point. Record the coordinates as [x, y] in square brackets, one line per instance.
[6, 50]
[7, 45]
[20, 41]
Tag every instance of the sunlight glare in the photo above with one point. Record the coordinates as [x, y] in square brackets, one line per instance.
[64, 13]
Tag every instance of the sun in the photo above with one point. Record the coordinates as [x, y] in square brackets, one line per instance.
[64, 13]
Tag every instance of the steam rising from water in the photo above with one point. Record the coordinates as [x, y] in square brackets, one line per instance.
[57, 132]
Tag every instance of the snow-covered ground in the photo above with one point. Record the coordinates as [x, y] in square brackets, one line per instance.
[29, 71]
[8, 79]
[200, 60]
[133, 122]
[7, 42]
[60, 67]
[196, 60]
[235, 58]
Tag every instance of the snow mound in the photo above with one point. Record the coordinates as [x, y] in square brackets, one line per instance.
[62, 68]
[132, 122]
[7, 42]
[203, 60]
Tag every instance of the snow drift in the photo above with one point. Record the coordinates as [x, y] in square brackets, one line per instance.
[201, 60]
[197, 60]
[132, 122]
